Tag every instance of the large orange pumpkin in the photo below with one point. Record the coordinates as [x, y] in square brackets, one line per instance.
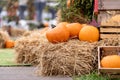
[9, 44]
[74, 29]
[58, 34]
[111, 61]
[89, 33]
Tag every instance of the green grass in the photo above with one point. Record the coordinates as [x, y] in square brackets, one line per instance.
[92, 76]
[7, 58]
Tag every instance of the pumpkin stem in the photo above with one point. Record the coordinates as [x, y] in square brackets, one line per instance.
[53, 26]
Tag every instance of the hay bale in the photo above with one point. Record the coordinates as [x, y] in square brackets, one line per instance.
[41, 31]
[13, 31]
[27, 33]
[16, 32]
[69, 58]
[3, 37]
[27, 47]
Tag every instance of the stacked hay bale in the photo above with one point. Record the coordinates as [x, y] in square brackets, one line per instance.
[28, 46]
[3, 37]
[69, 58]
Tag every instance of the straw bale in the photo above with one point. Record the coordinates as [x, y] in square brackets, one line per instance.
[15, 32]
[69, 58]
[27, 47]
[3, 37]
[41, 31]
[27, 33]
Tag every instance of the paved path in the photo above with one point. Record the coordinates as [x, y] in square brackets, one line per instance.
[24, 73]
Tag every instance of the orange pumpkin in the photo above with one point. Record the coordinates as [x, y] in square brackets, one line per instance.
[46, 24]
[111, 61]
[58, 34]
[74, 29]
[63, 23]
[89, 33]
[9, 44]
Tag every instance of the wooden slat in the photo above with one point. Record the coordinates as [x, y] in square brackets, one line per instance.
[110, 5]
[105, 49]
[106, 26]
[99, 48]
[116, 30]
[103, 36]
[108, 70]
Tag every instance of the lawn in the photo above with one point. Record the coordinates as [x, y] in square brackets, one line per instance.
[7, 58]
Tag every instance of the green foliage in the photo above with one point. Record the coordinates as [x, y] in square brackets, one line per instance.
[79, 11]
[92, 76]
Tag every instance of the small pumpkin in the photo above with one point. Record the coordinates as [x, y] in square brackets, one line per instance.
[9, 44]
[74, 29]
[46, 24]
[58, 34]
[111, 61]
[89, 33]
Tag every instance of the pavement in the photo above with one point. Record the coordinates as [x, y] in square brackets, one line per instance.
[25, 73]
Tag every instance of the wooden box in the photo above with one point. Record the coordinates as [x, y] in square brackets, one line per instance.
[109, 18]
[104, 51]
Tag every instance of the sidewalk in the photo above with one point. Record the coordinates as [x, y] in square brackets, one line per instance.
[24, 73]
